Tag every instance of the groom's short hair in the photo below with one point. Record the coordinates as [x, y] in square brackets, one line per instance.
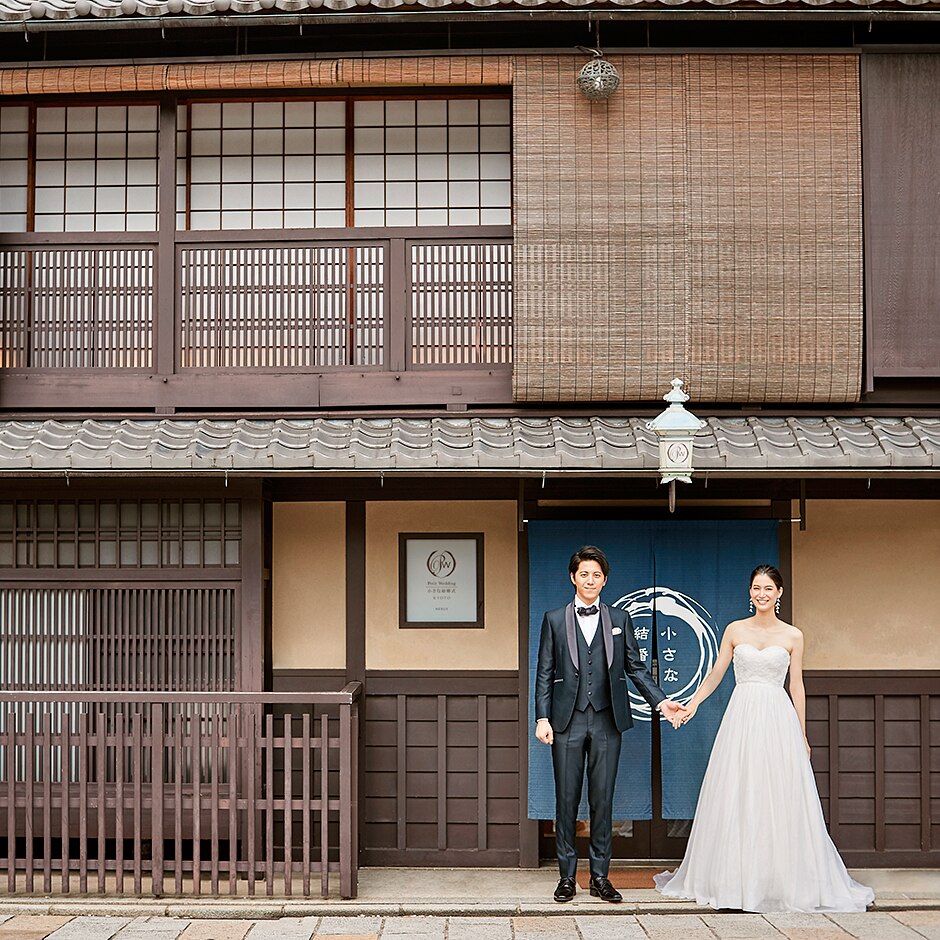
[589, 553]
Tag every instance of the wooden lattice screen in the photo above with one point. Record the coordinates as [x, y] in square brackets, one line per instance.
[139, 594]
[128, 637]
[704, 222]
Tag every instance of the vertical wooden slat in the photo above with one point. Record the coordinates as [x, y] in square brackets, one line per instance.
[288, 801]
[834, 768]
[195, 764]
[879, 745]
[120, 738]
[83, 764]
[352, 839]
[46, 747]
[164, 300]
[157, 744]
[347, 808]
[926, 836]
[101, 774]
[232, 716]
[397, 269]
[137, 772]
[442, 772]
[401, 777]
[350, 170]
[214, 772]
[306, 810]
[65, 764]
[10, 763]
[269, 804]
[482, 745]
[29, 776]
[324, 804]
[179, 715]
[254, 769]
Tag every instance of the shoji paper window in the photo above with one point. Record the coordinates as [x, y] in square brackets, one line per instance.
[14, 172]
[96, 169]
[432, 162]
[267, 164]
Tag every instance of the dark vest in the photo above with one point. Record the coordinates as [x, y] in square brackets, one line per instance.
[593, 681]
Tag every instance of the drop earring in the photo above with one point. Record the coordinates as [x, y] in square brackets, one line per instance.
[777, 606]
[750, 606]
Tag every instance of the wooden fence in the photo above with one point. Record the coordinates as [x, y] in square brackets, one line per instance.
[179, 793]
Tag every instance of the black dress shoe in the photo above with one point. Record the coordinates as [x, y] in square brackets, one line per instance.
[566, 889]
[603, 889]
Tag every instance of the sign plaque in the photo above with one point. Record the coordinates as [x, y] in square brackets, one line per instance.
[440, 579]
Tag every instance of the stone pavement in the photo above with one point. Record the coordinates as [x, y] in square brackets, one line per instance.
[897, 925]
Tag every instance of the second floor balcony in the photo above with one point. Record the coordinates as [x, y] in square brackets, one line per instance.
[287, 319]
[287, 252]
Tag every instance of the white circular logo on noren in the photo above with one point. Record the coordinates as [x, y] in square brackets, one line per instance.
[441, 564]
[675, 615]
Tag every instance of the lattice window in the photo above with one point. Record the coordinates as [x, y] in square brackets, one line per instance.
[433, 162]
[461, 303]
[76, 308]
[96, 168]
[118, 637]
[264, 164]
[303, 306]
[127, 533]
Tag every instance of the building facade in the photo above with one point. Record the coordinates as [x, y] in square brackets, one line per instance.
[285, 285]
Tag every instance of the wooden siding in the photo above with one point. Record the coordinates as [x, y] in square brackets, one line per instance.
[704, 222]
[902, 213]
[441, 769]
[876, 753]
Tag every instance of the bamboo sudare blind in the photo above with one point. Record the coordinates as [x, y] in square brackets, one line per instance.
[704, 222]
[409, 71]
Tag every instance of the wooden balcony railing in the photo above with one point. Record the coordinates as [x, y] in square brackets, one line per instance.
[302, 317]
[179, 793]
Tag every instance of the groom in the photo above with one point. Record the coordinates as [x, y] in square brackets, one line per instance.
[586, 652]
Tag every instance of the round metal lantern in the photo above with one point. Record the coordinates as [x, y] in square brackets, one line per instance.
[598, 80]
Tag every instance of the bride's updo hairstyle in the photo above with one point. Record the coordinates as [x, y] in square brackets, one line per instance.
[770, 571]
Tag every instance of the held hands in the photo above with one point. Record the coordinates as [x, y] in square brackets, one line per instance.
[683, 713]
[673, 712]
[543, 731]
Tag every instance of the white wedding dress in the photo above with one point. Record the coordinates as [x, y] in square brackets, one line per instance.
[759, 840]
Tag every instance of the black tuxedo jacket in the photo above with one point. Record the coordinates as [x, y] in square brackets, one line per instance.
[556, 677]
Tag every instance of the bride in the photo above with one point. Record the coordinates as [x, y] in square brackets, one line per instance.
[759, 840]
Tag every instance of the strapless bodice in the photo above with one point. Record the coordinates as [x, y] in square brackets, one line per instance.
[767, 666]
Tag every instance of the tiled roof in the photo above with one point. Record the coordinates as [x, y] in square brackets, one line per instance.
[462, 443]
[89, 9]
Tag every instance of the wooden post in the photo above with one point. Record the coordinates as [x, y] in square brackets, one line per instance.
[156, 785]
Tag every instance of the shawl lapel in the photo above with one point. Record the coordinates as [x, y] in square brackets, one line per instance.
[570, 627]
[608, 634]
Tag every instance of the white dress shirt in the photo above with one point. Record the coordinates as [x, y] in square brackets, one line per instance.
[589, 623]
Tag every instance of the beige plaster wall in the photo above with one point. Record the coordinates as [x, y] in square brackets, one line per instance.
[309, 586]
[495, 646]
[865, 576]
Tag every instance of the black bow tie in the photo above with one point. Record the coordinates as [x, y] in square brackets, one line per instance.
[586, 611]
